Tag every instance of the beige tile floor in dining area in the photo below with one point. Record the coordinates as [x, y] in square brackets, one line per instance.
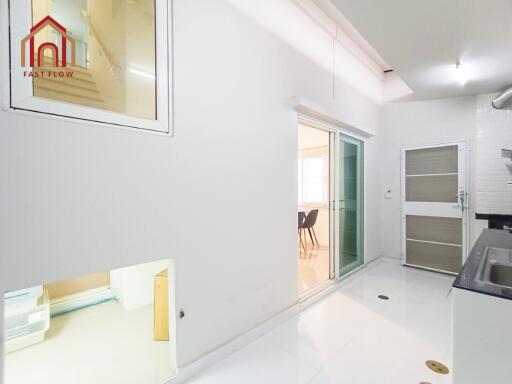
[313, 267]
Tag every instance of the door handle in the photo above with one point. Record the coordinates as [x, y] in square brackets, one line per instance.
[462, 197]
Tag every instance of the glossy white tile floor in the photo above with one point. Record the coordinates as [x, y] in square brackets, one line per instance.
[352, 337]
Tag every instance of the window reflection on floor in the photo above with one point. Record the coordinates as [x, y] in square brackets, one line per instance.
[313, 267]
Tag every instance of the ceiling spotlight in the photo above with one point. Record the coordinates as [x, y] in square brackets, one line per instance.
[461, 74]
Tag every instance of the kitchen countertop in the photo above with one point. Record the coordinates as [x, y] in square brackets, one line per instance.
[466, 280]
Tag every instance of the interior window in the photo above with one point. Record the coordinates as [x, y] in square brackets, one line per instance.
[109, 52]
[106, 61]
[76, 329]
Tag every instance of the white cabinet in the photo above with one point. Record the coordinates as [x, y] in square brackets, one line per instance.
[482, 345]
[27, 318]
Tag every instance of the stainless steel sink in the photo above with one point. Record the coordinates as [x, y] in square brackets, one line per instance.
[495, 267]
[501, 275]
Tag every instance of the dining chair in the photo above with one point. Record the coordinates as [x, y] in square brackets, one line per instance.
[301, 218]
[309, 224]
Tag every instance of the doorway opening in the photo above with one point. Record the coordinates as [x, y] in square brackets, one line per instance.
[314, 195]
[79, 330]
[331, 204]
[434, 207]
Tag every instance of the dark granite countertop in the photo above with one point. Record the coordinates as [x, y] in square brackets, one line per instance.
[496, 238]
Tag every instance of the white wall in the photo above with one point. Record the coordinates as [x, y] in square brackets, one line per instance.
[420, 123]
[135, 285]
[220, 198]
[373, 158]
[238, 96]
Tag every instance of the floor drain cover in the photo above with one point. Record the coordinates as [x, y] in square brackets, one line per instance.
[437, 367]
[383, 297]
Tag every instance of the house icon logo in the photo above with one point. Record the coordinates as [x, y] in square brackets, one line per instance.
[59, 56]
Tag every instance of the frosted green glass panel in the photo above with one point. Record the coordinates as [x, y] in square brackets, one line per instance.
[351, 204]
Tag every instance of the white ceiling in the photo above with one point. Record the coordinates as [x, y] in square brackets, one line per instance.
[423, 40]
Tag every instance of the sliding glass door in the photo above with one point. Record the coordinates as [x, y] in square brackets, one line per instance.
[331, 189]
[350, 207]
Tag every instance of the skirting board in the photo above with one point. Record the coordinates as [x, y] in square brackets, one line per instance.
[208, 360]
[81, 300]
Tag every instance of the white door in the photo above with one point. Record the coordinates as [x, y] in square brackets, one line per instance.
[434, 205]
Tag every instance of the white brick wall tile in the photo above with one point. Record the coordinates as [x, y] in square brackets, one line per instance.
[494, 132]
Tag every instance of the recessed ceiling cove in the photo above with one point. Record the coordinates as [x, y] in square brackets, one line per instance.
[424, 40]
